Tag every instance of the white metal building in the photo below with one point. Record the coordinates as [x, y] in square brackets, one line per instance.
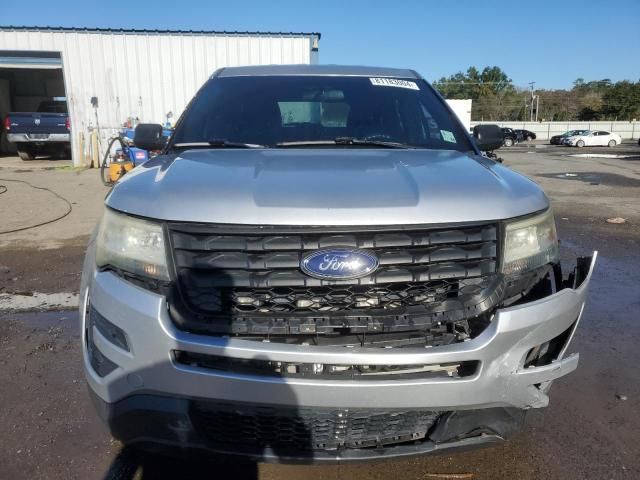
[135, 74]
[462, 108]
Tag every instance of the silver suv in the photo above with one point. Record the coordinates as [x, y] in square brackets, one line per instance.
[322, 266]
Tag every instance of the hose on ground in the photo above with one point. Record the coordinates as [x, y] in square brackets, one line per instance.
[60, 217]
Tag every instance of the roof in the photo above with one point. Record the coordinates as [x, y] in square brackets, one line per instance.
[344, 70]
[155, 31]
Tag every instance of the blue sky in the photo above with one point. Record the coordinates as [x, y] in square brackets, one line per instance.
[549, 42]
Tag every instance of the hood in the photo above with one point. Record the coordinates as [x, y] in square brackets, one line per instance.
[325, 187]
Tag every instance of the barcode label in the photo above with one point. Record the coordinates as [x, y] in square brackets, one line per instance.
[394, 82]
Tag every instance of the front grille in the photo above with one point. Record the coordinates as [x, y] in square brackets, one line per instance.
[247, 427]
[247, 280]
[331, 298]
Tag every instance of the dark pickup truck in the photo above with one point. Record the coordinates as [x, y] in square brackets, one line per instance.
[45, 132]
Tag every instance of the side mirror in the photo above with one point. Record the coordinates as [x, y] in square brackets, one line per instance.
[148, 136]
[488, 137]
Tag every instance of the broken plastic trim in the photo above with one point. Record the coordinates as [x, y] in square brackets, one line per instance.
[552, 350]
[580, 272]
[543, 282]
[548, 352]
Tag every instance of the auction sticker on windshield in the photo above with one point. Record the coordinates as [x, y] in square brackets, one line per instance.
[447, 136]
[394, 82]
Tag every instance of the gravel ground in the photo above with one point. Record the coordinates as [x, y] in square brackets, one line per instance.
[590, 431]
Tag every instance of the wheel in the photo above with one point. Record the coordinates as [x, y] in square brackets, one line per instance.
[124, 466]
[508, 142]
[63, 154]
[580, 143]
[529, 138]
[612, 143]
[25, 154]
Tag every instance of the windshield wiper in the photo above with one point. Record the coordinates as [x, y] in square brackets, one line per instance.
[367, 142]
[216, 143]
[345, 141]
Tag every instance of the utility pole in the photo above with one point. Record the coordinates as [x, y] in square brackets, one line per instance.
[531, 84]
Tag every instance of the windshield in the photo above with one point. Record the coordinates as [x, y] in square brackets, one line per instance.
[278, 110]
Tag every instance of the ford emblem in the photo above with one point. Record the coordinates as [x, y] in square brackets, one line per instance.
[339, 264]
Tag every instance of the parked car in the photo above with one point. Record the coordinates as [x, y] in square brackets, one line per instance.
[321, 266]
[510, 137]
[557, 139]
[44, 132]
[525, 135]
[593, 139]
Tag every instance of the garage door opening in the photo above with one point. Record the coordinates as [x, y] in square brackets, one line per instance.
[32, 87]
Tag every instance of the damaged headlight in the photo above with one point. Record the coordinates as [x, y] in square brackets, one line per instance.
[530, 243]
[133, 245]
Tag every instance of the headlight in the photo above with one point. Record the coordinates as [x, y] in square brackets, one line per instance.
[530, 243]
[133, 245]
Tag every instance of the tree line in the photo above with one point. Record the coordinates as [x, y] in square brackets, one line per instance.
[495, 97]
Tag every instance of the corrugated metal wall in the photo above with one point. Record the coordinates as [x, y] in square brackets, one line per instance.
[146, 75]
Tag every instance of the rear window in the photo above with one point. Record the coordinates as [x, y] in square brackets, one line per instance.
[271, 110]
[52, 107]
[333, 114]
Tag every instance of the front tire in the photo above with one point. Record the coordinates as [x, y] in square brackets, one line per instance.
[25, 154]
[125, 465]
[508, 142]
[580, 143]
[612, 143]
[529, 138]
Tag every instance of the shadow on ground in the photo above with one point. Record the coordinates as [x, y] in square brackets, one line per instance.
[130, 464]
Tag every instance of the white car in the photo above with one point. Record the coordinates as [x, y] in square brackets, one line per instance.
[593, 138]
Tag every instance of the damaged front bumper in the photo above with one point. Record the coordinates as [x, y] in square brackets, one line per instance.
[149, 397]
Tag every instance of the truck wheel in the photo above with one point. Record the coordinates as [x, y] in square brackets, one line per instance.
[580, 143]
[124, 466]
[508, 142]
[612, 143]
[25, 154]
